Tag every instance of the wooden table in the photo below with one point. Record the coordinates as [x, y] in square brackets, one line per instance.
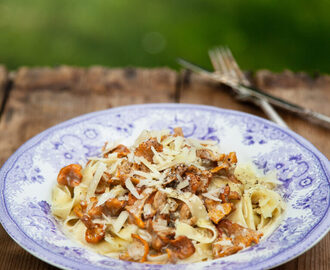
[34, 99]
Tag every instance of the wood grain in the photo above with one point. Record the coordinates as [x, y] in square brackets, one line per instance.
[14, 257]
[317, 258]
[42, 97]
[298, 88]
[301, 89]
[196, 89]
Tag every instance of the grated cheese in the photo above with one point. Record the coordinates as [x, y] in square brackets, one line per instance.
[116, 191]
[183, 184]
[129, 185]
[113, 167]
[157, 157]
[96, 179]
[149, 165]
[200, 228]
[211, 196]
[120, 221]
[168, 140]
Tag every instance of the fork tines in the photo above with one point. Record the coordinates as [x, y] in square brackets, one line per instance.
[226, 65]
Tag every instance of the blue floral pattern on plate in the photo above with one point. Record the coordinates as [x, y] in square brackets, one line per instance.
[29, 174]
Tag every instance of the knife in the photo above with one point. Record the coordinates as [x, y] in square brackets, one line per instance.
[248, 92]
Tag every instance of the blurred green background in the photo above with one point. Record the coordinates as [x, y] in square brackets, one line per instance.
[262, 34]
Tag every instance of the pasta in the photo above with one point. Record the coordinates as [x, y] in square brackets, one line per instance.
[166, 199]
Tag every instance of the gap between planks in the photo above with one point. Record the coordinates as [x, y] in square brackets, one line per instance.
[190, 89]
[6, 82]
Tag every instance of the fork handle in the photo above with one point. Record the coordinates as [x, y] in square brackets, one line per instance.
[281, 103]
[244, 94]
[271, 113]
[254, 92]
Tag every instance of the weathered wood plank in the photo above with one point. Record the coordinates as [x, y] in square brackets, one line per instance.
[15, 257]
[42, 97]
[313, 94]
[303, 90]
[196, 89]
[298, 88]
[316, 258]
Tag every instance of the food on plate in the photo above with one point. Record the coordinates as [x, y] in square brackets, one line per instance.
[166, 199]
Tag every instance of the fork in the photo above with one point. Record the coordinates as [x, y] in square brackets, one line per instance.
[250, 91]
[225, 65]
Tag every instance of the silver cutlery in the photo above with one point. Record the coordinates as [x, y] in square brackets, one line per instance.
[225, 64]
[246, 92]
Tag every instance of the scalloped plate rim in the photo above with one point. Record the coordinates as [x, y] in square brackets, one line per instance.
[4, 215]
